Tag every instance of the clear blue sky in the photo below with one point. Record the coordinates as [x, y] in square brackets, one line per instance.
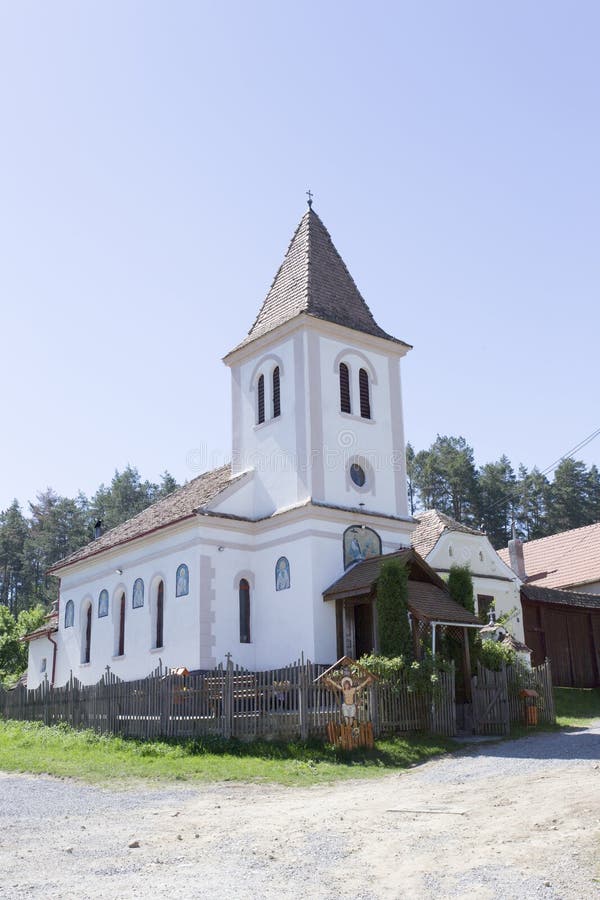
[153, 164]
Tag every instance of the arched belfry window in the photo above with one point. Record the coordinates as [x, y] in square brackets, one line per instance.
[276, 393]
[345, 406]
[260, 400]
[365, 399]
[244, 612]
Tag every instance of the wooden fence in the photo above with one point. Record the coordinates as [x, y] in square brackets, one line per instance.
[497, 701]
[283, 704]
[538, 679]
[230, 701]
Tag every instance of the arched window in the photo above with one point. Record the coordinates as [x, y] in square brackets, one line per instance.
[103, 604]
[365, 400]
[160, 602]
[244, 612]
[138, 593]
[260, 412]
[69, 614]
[182, 581]
[87, 636]
[276, 393]
[120, 622]
[345, 389]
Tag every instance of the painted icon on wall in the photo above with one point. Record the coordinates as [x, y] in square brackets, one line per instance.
[103, 604]
[183, 581]
[360, 543]
[282, 574]
[138, 593]
[69, 614]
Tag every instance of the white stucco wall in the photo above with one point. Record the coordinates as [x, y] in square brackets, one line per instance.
[39, 650]
[307, 450]
[491, 577]
[202, 627]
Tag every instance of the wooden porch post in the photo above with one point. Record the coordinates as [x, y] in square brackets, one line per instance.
[467, 664]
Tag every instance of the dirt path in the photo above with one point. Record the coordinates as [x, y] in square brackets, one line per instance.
[519, 819]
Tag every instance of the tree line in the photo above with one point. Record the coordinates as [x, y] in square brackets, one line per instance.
[56, 526]
[491, 497]
[494, 496]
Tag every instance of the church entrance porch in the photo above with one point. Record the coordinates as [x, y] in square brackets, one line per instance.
[356, 632]
[435, 617]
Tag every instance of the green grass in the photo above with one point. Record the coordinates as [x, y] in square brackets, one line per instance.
[61, 751]
[576, 706]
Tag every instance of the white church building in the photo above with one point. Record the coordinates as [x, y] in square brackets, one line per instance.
[237, 561]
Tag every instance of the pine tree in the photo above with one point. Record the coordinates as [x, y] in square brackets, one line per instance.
[533, 490]
[568, 497]
[496, 500]
[13, 534]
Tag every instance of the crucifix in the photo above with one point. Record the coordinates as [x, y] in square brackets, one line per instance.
[309, 194]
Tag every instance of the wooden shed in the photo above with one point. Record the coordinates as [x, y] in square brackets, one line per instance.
[563, 626]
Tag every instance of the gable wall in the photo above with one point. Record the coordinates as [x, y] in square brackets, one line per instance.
[488, 571]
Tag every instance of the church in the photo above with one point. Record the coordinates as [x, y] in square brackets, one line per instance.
[239, 560]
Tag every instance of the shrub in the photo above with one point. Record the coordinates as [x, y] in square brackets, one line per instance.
[460, 585]
[492, 654]
[395, 639]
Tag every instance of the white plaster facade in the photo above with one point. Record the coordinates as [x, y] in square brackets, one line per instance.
[491, 576]
[295, 499]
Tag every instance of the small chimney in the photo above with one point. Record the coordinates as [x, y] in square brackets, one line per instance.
[98, 529]
[517, 560]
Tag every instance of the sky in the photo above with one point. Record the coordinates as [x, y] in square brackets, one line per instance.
[153, 167]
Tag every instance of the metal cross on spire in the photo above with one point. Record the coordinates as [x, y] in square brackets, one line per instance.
[309, 194]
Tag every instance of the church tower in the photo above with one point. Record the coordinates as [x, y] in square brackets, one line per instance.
[316, 392]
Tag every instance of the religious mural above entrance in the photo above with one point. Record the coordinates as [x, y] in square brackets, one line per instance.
[360, 543]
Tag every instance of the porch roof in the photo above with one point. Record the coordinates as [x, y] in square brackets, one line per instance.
[428, 596]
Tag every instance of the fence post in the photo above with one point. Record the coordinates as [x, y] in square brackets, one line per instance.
[46, 690]
[228, 699]
[374, 708]
[303, 703]
[547, 678]
[165, 698]
[70, 708]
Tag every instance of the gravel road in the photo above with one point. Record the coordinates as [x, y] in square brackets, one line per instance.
[517, 819]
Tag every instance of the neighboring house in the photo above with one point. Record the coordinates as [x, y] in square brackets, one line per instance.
[568, 561]
[237, 560]
[443, 542]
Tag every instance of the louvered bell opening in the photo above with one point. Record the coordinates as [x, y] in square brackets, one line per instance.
[276, 393]
[261, 400]
[365, 402]
[344, 389]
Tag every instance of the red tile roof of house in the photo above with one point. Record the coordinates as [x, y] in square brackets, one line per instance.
[565, 560]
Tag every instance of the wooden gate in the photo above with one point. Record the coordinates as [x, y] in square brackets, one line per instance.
[490, 702]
